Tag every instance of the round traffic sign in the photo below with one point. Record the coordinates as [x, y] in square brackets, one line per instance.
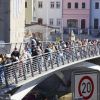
[86, 87]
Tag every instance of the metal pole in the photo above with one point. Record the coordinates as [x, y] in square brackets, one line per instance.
[62, 30]
[46, 35]
[88, 31]
[5, 76]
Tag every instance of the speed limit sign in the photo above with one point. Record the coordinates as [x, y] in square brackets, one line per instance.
[86, 86]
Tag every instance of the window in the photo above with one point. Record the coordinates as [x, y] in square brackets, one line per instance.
[57, 4]
[58, 22]
[34, 18]
[69, 5]
[25, 4]
[97, 5]
[51, 21]
[76, 5]
[83, 24]
[40, 4]
[83, 4]
[72, 23]
[52, 5]
[40, 20]
[96, 23]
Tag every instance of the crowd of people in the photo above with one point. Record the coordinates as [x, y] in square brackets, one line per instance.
[35, 48]
[57, 47]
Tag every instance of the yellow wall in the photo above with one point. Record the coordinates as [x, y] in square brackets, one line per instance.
[28, 11]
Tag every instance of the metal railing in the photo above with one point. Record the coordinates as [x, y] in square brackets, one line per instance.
[20, 71]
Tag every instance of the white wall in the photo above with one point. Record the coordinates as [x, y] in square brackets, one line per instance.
[46, 11]
[17, 20]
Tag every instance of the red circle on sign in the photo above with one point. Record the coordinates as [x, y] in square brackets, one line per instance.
[80, 93]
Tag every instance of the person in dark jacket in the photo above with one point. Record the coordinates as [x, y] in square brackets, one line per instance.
[13, 59]
[15, 53]
[34, 52]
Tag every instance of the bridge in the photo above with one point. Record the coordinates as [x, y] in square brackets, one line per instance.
[32, 71]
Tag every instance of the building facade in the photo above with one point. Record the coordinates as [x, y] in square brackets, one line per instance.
[95, 14]
[12, 20]
[28, 11]
[80, 15]
[48, 12]
[45, 12]
[76, 13]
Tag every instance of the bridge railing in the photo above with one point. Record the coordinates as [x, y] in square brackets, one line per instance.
[17, 72]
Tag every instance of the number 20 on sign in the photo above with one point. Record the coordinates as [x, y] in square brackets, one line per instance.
[86, 86]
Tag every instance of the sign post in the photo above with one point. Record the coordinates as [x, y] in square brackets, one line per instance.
[85, 85]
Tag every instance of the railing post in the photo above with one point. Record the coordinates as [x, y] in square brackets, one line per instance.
[38, 63]
[6, 81]
[24, 72]
[45, 62]
[14, 70]
[85, 51]
[57, 59]
[80, 50]
[62, 57]
[88, 51]
[62, 60]
[73, 54]
[51, 60]
[98, 45]
[93, 51]
[76, 53]
[68, 57]
[32, 73]
[96, 49]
